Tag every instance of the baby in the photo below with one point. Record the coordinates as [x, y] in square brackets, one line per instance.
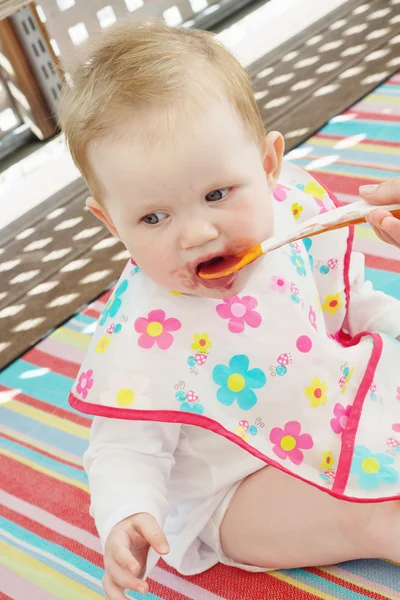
[200, 388]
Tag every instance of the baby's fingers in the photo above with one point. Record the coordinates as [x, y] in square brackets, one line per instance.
[148, 527]
[123, 556]
[116, 580]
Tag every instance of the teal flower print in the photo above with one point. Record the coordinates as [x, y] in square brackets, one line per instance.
[307, 245]
[237, 382]
[114, 303]
[298, 262]
[372, 469]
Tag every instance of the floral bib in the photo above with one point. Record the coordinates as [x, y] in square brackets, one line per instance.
[270, 369]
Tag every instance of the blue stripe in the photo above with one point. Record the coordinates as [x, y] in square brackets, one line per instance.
[49, 387]
[83, 319]
[323, 585]
[386, 281]
[386, 90]
[45, 433]
[44, 461]
[60, 552]
[374, 130]
[376, 571]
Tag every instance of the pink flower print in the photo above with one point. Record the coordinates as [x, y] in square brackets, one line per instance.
[289, 443]
[313, 318]
[279, 192]
[396, 427]
[339, 423]
[240, 312]
[279, 284]
[85, 382]
[293, 288]
[155, 330]
[321, 204]
[296, 248]
[398, 393]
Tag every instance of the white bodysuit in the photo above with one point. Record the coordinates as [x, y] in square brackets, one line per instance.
[279, 370]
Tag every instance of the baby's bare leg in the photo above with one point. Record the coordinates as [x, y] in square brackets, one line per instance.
[276, 521]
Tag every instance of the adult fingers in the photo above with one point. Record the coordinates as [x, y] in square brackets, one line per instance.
[387, 192]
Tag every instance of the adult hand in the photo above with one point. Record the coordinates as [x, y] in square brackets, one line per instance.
[385, 225]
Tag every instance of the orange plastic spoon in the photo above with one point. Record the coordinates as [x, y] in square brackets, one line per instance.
[351, 214]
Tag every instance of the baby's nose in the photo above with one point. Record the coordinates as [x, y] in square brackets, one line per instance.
[196, 233]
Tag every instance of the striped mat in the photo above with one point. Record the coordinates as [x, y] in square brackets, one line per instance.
[48, 543]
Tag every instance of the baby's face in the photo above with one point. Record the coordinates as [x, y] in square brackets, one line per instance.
[203, 194]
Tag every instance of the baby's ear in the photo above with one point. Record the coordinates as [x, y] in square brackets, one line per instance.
[100, 212]
[273, 155]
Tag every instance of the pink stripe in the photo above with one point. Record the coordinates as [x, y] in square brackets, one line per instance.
[376, 248]
[63, 351]
[182, 586]
[377, 111]
[350, 433]
[19, 588]
[51, 522]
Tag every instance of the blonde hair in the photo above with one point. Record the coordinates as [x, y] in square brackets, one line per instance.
[150, 67]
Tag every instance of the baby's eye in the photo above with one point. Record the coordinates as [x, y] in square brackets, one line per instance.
[217, 195]
[154, 218]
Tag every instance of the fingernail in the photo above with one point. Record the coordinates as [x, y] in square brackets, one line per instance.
[368, 189]
[164, 548]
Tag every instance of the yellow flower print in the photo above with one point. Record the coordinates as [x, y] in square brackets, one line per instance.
[315, 190]
[296, 210]
[241, 433]
[201, 343]
[316, 392]
[103, 344]
[327, 461]
[174, 293]
[332, 303]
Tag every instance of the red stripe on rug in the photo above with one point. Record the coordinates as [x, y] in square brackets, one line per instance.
[37, 357]
[90, 312]
[348, 585]
[52, 536]
[4, 597]
[74, 417]
[56, 497]
[16, 440]
[383, 264]
[339, 184]
[371, 116]
[231, 584]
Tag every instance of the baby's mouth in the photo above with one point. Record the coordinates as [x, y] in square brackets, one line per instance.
[210, 265]
[217, 264]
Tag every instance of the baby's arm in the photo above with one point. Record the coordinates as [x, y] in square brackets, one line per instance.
[129, 464]
[369, 309]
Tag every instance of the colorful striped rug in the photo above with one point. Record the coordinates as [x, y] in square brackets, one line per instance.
[48, 543]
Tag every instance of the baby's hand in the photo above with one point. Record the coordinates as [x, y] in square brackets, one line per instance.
[125, 554]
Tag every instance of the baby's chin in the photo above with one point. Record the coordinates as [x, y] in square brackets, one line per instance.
[222, 288]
